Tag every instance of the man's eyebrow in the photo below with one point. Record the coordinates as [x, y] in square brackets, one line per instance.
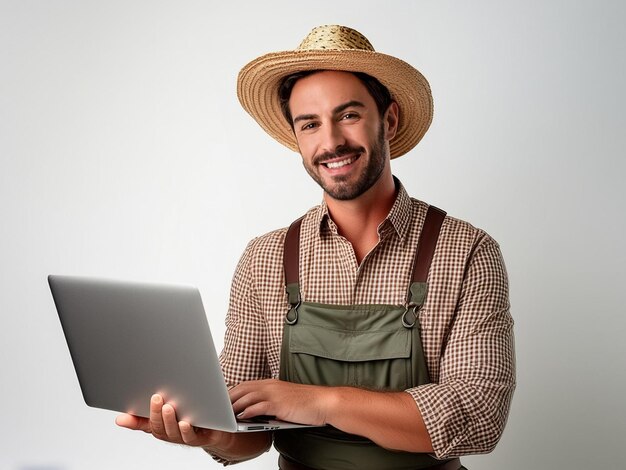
[304, 117]
[336, 110]
[349, 104]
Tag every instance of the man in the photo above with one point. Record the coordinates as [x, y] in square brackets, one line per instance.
[394, 330]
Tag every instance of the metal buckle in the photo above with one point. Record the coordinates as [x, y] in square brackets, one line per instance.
[295, 310]
[413, 311]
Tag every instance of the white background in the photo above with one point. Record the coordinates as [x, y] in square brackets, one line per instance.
[124, 153]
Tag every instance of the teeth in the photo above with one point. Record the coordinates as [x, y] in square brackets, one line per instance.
[339, 164]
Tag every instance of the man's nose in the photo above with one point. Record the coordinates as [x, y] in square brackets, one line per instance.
[332, 137]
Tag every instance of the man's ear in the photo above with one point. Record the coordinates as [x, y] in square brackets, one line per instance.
[391, 118]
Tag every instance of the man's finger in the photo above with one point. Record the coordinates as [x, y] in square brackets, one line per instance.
[171, 424]
[156, 418]
[243, 388]
[133, 422]
[248, 391]
[187, 432]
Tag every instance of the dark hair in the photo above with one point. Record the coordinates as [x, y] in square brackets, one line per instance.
[377, 90]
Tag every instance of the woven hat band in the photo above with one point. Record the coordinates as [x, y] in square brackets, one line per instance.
[334, 37]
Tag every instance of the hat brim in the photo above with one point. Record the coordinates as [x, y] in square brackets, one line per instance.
[258, 82]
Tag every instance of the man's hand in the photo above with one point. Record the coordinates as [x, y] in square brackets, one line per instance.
[164, 425]
[304, 404]
[390, 419]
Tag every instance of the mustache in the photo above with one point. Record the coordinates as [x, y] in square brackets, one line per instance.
[339, 152]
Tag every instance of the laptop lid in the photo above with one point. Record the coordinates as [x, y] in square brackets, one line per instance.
[129, 340]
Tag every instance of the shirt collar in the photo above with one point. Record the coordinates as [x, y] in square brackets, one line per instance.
[323, 220]
[400, 213]
[397, 219]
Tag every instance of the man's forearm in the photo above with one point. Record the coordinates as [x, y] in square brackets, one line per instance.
[237, 447]
[390, 419]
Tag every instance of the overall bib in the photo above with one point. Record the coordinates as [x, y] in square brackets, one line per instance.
[377, 347]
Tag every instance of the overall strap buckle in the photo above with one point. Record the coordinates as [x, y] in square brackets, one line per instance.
[409, 317]
[291, 266]
[416, 297]
[293, 297]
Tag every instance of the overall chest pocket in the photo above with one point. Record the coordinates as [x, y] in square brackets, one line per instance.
[364, 346]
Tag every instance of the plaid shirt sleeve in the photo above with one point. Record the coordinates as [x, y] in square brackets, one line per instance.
[244, 356]
[465, 410]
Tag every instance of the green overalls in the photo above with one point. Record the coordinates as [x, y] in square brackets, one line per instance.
[377, 347]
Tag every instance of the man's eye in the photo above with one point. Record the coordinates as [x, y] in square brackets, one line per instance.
[308, 126]
[349, 116]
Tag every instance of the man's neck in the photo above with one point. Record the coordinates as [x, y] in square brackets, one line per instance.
[358, 219]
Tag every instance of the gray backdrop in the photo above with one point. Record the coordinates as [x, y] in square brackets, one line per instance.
[124, 153]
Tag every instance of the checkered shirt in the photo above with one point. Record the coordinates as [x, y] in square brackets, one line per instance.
[467, 330]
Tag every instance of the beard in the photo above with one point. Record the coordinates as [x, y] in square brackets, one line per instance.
[340, 188]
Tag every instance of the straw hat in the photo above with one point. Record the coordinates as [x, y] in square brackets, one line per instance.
[333, 47]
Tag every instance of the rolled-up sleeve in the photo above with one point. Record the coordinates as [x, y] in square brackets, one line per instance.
[466, 410]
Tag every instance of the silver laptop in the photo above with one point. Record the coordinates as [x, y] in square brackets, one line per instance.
[130, 340]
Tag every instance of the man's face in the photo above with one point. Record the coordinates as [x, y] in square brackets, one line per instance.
[341, 136]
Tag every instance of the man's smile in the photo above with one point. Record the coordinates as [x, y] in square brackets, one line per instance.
[338, 163]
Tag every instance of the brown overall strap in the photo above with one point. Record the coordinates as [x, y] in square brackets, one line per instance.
[427, 243]
[291, 261]
[425, 251]
[424, 255]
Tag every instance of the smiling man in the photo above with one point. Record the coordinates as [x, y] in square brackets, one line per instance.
[333, 142]
[375, 314]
